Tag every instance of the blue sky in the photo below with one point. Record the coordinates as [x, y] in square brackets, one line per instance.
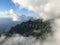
[6, 5]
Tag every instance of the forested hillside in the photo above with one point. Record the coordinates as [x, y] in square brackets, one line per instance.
[36, 28]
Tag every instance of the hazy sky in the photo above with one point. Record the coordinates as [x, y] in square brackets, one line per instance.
[7, 5]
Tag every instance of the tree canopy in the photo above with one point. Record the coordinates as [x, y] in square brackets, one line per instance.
[36, 28]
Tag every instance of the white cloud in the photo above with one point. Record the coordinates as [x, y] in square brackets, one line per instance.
[3, 14]
[47, 9]
[14, 16]
[9, 14]
[19, 40]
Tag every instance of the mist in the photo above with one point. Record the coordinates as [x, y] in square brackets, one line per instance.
[17, 39]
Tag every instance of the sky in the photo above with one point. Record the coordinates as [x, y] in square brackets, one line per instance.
[7, 5]
[45, 9]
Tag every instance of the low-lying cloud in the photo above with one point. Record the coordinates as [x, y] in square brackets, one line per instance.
[10, 14]
[18, 40]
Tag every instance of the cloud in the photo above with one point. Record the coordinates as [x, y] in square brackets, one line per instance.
[47, 9]
[14, 16]
[30, 4]
[17, 39]
[10, 14]
[3, 14]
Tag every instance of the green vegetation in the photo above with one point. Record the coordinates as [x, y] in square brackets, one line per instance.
[36, 28]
